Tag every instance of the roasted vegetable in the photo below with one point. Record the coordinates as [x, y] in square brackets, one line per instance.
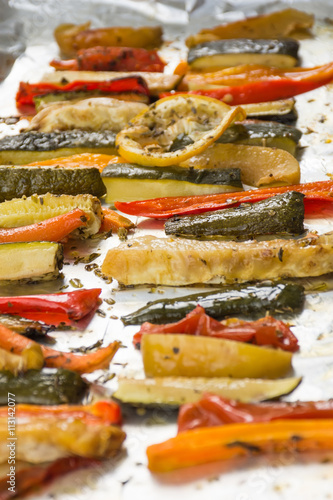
[17, 181]
[247, 73]
[213, 410]
[112, 59]
[282, 111]
[31, 358]
[187, 356]
[53, 387]
[132, 88]
[95, 114]
[28, 328]
[34, 261]
[53, 308]
[157, 82]
[151, 138]
[282, 214]
[175, 391]
[87, 363]
[34, 209]
[127, 182]
[263, 133]
[47, 433]
[34, 146]
[271, 89]
[112, 221]
[57, 229]
[240, 440]
[85, 160]
[71, 37]
[316, 193]
[228, 301]
[275, 24]
[259, 166]
[180, 262]
[266, 331]
[281, 53]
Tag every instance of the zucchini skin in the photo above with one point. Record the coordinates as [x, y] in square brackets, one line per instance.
[16, 182]
[281, 214]
[283, 46]
[230, 176]
[264, 133]
[229, 301]
[43, 388]
[39, 141]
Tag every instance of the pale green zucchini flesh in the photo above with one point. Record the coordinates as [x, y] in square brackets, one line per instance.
[25, 211]
[127, 182]
[175, 391]
[35, 261]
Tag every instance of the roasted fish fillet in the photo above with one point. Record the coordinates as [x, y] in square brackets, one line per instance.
[96, 113]
[171, 261]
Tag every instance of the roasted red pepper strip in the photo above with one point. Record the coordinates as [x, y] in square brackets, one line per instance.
[112, 59]
[265, 331]
[27, 91]
[268, 90]
[35, 476]
[86, 363]
[71, 305]
[318, 201]
[214, 410]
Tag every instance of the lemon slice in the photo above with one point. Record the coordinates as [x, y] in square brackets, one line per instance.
[175, 128]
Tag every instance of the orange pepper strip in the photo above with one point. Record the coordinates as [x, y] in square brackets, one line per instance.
[87, 363]
[86, 160]
[54, 229]
[112, 221]
[226, 442]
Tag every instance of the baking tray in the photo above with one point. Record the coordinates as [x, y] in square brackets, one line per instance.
[287, 476]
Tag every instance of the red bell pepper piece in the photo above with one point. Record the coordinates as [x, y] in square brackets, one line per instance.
[27, 91]
[112, 59]
[272, 89]
[265, 331]
[53, 308]
[214, 410]
[34, 476]
[318, 201]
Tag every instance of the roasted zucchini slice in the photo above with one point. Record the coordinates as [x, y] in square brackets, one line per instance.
[25, 211]
[175, 391]
[175, 355]
[29, 147]
[282, 53]
[50, 387]
[282, 111]
[16, 181]
[127, 182]
[263, 133]
[29, 262]
[229, 301]
[280, 215]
